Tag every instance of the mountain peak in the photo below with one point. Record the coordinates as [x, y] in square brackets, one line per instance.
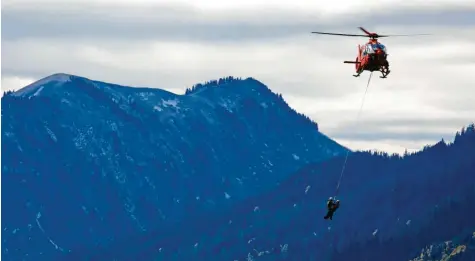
[35, 88]
[225, 82]
[226, 91]
[238, 89]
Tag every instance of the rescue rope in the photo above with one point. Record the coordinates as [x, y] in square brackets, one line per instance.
[348, 151]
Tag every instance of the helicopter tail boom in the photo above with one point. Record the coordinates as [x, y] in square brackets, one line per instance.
[353, 62]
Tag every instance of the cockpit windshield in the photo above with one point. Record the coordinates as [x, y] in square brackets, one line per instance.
[379, 46]
[371, 48]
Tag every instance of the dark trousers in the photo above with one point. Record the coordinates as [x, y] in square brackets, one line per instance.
[329, 214]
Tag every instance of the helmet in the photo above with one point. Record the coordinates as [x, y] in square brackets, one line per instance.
[338, 201]
[330, 198]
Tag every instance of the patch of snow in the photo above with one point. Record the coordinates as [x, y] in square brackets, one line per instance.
[80, 140]
[157, 108]
[226, 195]
[35, 88]
[171, 103]
[228, 105]
[295, 157]
[38, 91]
[38, 216]
[264, 105]
[307, 189]
[145, 95]
[249, 257]
[261, 253]
[129, 205]
[66, 101]
[408, 222]
[375, 232]
[284, 248]
[51, 134]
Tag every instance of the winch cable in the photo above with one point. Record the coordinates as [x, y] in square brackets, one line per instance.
[348, 151]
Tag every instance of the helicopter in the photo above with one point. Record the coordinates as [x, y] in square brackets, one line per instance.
[372, 56]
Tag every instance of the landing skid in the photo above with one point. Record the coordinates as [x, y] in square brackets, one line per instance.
[384, 71]
[384, 74]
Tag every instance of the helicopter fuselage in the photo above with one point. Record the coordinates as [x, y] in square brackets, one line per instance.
[372, 56]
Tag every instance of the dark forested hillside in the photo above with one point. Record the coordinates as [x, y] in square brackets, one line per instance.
[86, 162]
[392, 207]
[96, 171]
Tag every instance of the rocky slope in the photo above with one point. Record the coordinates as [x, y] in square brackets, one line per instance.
[86, 162]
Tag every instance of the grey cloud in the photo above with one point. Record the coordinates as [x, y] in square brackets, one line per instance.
[390, 135]
[408, 123]
[390, 129]
[298, 70]
[465, 58]
[463, 102]
[180, 23]
[450, 17]
[301, 87]
[164, 22]
[23, 74]
[158, 79]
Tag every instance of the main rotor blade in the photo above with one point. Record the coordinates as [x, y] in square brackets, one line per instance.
[375, 35]
[364, 30]
[401, 35]
[358, 35]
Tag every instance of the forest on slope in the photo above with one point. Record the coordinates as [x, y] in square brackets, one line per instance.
[97, 171]
[392, 207]
[85, 162]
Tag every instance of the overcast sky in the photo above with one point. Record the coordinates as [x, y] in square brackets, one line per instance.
[429, 95]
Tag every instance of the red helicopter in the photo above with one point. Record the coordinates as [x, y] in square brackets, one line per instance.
[372, 56]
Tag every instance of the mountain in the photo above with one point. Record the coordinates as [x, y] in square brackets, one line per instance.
[86, 162]
[392, 207]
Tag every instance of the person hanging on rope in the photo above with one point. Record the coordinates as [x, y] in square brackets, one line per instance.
[332, 206]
